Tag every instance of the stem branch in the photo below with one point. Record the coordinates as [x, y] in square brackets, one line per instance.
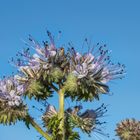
[61, 111]
[38, 128]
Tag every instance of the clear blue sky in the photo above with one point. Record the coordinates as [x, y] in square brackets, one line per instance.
[114, 22]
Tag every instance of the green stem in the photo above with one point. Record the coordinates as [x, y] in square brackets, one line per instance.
[61, 111]
[38, 128]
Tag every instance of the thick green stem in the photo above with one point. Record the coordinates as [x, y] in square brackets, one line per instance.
[38, 128]
[61, 111]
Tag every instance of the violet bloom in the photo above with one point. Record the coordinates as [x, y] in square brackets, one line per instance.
[32, 66]
[89, 120]
[81, 71]
[96, 66]
[11, 91]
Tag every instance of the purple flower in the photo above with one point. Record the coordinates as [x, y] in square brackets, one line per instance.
[81, 70]
[97, 67]
[11, 91]
[31, 66]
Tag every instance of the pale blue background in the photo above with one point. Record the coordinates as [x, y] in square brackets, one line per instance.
[114, 22]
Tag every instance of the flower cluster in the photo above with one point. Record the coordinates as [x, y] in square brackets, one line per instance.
[11, 91]
[84, 76]
[129, 129]
[87, 121]
[81, 76]
[42, 69]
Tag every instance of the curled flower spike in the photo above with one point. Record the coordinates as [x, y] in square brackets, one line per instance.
[46, 57]
[97, 67]
[92, 71]
[50, 112]
[11, 91]
[128, 129]
[87, 121]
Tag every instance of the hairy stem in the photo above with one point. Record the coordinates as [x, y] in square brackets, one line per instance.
[61, 111]
[38, 128]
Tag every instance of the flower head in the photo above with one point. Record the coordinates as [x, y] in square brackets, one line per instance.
[46, 57]
[87, 121]
[93, 72]
[11, 91]
[11, 104]
[49, 113]
[129, 129]
[96, 66]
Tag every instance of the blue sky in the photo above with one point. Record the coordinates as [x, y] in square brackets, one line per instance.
[113, 22]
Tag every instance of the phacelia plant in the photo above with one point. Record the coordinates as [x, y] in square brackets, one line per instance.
[56, 70]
